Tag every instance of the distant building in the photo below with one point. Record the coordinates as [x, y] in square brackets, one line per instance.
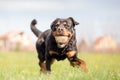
[16, 40]
[105, 43]
[101, 44]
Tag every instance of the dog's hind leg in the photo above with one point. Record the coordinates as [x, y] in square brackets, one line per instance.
[41, 56]
[42, 65]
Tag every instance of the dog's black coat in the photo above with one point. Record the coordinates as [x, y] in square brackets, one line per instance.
[48, 49]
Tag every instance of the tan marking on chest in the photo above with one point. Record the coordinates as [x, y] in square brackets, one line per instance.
[71, 53]
[52, 52]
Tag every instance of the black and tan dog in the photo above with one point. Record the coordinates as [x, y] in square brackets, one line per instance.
[50, 48]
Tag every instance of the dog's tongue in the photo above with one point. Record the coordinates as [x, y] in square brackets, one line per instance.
[61, 39]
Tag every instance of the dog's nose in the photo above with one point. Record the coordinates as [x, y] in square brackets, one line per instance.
[60, 29]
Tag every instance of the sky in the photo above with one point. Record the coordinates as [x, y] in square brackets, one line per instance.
[96, 17]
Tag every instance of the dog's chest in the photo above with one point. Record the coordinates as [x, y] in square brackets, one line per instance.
[57, 55]
[52, 52]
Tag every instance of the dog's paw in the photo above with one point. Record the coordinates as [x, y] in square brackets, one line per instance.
[34, 22]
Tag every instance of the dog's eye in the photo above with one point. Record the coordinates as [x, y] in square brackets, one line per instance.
[58, 23]
[65, 23]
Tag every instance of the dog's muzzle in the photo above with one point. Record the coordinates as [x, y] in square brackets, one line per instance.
[61, 41]
[62, 37]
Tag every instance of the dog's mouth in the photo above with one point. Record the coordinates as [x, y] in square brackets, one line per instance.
[62, 41]
[63, 38]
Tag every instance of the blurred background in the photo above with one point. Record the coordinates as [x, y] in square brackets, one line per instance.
[99, 29]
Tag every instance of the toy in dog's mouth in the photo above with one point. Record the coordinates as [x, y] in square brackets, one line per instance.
[61, 41]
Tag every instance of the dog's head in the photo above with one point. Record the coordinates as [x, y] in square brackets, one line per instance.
[63, 30]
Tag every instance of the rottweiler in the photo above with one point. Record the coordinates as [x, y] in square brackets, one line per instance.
[57, 43]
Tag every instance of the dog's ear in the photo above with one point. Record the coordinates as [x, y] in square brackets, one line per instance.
[73, 21]
[54, 23]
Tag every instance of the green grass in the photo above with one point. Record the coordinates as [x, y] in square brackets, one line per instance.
[24, 66]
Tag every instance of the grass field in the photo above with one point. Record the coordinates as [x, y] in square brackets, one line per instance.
[24, 66]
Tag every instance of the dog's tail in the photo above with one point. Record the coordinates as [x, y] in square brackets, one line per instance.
[36, 31]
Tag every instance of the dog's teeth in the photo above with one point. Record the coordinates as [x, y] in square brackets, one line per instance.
[61, 45]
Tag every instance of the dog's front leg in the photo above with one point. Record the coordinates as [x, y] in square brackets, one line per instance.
[75, 61]
[48, 64]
